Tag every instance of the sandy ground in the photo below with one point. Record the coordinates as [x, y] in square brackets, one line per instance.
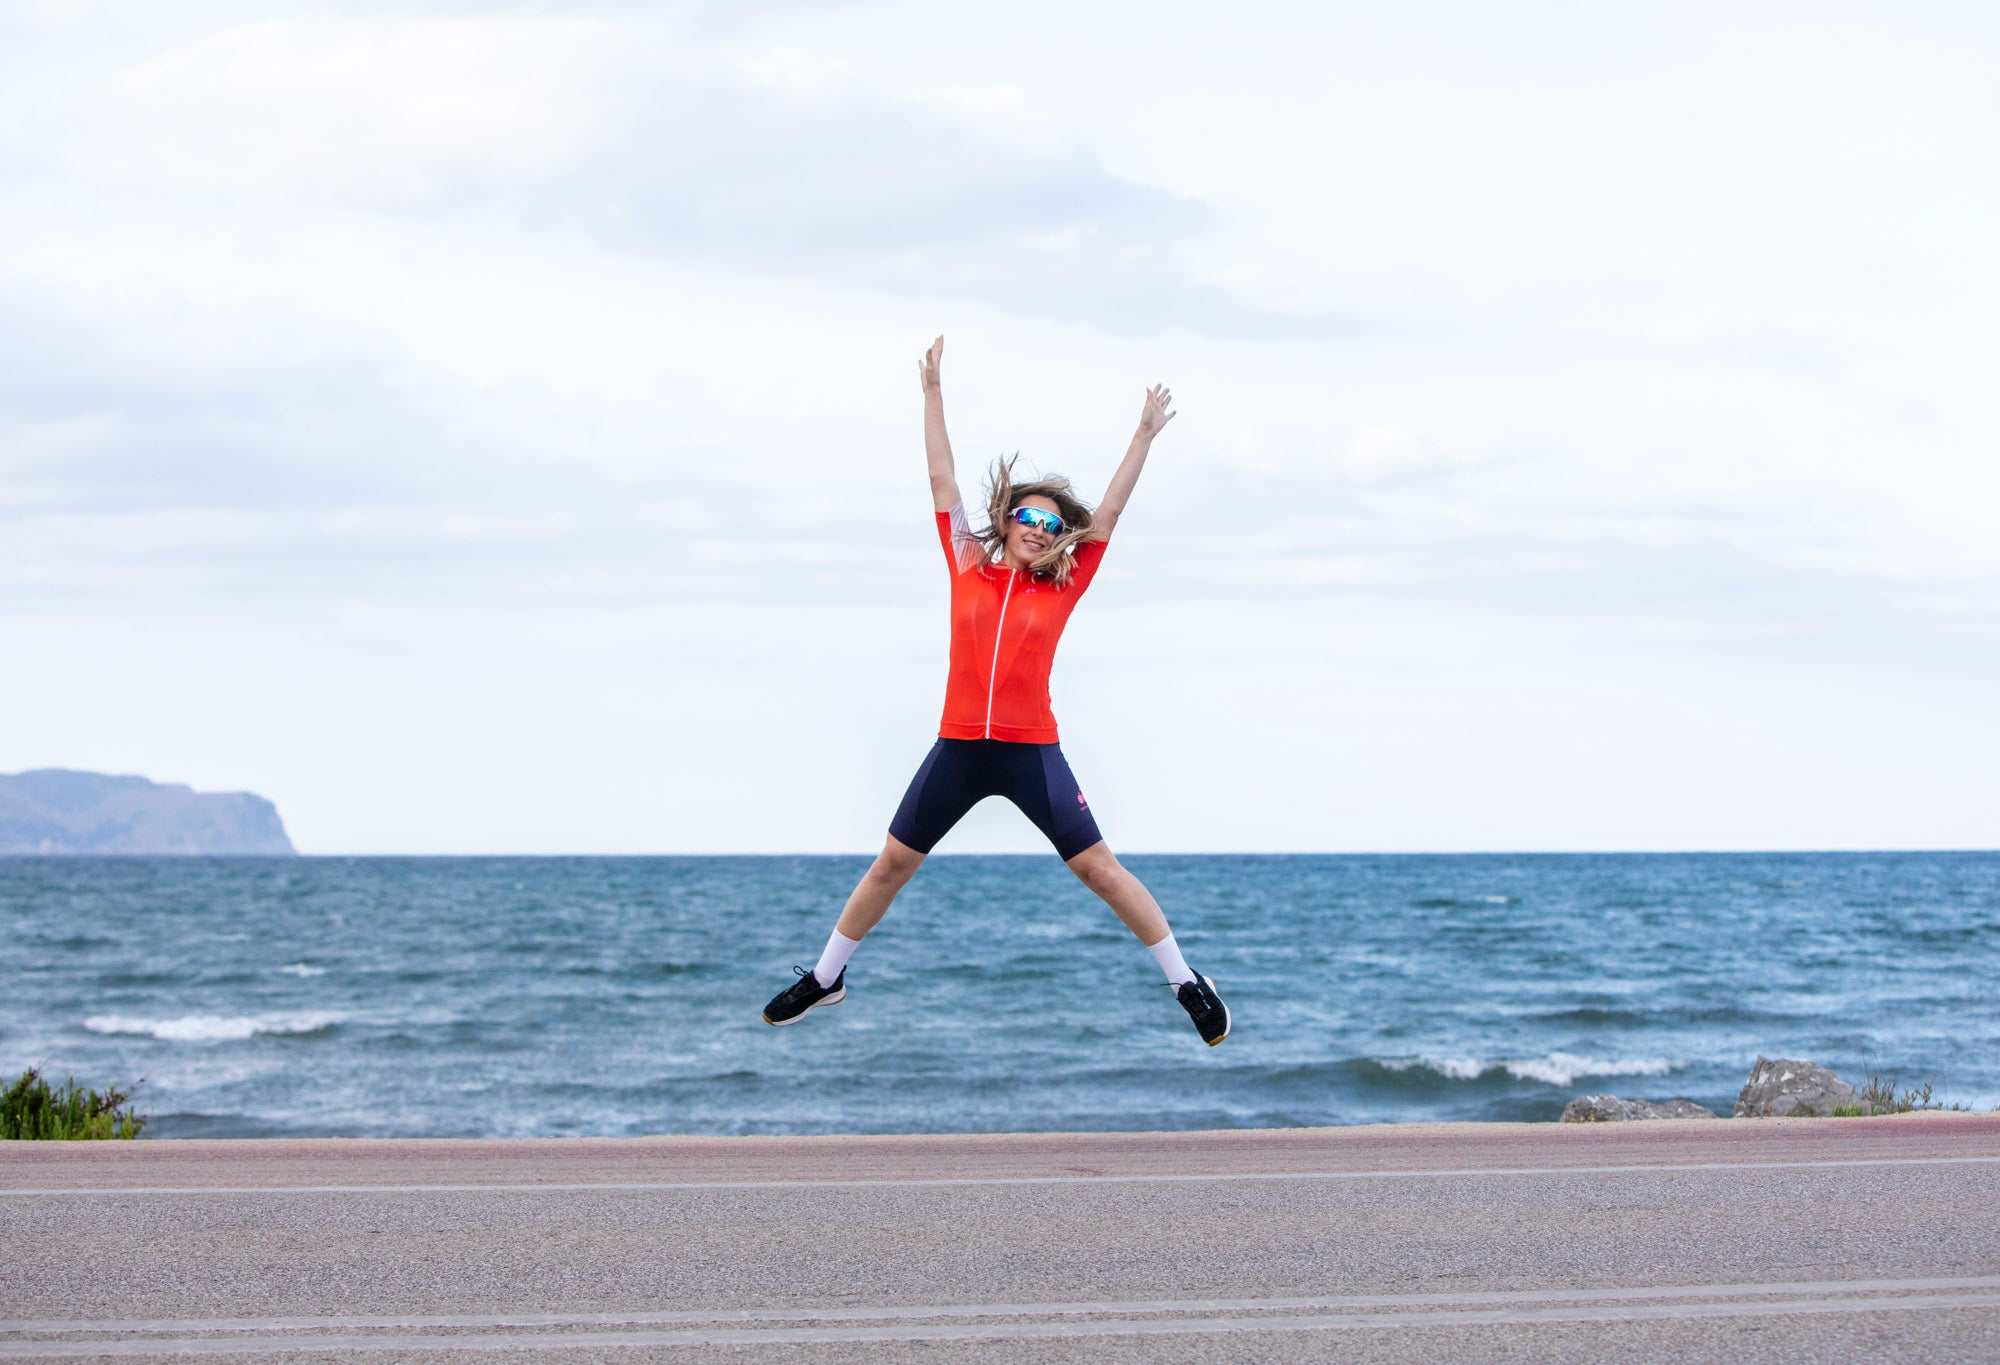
[1747, 1239]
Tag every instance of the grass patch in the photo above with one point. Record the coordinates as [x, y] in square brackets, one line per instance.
[1879, 1097]
[32, 1108]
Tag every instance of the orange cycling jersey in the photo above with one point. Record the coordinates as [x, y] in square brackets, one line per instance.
[1004, 628]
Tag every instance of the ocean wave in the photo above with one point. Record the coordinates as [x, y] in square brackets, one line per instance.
[145, 976]
[1555, 1068]
[1663, 1015]
[74, 942]
[634, 969]
[1592, 1014]
[203, 1028]
[302, 969]
[198, 1124]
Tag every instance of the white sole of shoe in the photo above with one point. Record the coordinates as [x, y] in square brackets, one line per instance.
[833, 999]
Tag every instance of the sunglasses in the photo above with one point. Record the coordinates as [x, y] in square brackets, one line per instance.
[1036, 517]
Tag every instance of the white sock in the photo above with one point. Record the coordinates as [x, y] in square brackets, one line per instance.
[838, 949]
[1168, 954]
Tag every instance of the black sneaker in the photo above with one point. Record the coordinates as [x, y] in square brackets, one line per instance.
[1205, 1007]
[804, 994]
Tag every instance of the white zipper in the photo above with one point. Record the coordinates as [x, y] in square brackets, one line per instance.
[993, 673]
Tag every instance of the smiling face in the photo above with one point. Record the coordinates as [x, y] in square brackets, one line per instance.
[1025, 544]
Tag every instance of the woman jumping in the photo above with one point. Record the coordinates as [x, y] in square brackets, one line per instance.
[1013, 586]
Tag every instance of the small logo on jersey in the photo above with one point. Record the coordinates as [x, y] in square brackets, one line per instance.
[1080, 801]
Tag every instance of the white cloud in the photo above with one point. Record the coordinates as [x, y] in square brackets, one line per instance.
[315, 111]
[1613, 323]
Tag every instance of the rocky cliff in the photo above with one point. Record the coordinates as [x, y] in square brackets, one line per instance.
[56, 810]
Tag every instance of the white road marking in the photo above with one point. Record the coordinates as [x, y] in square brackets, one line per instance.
[925, 1182]
[912, 1312]
[1014, 1331]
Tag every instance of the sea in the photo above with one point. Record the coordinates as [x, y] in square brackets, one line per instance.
[503, 997]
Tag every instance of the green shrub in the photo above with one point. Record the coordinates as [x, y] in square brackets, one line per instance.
[1880, 1097]
[31, 1108]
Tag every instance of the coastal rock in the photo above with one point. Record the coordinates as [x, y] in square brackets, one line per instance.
[1611, 1109]
[1782, 1088]
[56, 810]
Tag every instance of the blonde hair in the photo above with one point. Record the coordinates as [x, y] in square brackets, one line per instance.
[1004, 495]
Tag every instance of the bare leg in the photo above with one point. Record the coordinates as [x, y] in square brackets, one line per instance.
[888, 874]
[1099, 869]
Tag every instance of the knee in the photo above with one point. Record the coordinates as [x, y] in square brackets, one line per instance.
[1097, 868]
[897, 862]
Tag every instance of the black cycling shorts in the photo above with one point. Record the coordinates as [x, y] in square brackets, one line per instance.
[957, 774]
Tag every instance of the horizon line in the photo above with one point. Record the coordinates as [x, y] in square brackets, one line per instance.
[1142, 853]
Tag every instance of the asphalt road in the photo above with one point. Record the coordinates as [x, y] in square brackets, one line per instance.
[1793, 1240]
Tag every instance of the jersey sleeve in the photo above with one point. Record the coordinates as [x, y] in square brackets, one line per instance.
[1087, 556]
[961, 547]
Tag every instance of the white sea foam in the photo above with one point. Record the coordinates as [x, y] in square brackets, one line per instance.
[1457, 1068]
[302, 969]
[1562, 1068]
[1557, 1068]
[202, 1028]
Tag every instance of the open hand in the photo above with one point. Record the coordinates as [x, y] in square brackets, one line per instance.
[1155, 415]
[927, 368]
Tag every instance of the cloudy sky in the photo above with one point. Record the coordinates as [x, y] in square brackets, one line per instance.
[489, 428]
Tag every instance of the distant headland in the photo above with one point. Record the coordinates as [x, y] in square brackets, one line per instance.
[57, 810]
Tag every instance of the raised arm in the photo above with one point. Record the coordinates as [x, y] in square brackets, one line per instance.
[937, 446]
[1152, 418]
